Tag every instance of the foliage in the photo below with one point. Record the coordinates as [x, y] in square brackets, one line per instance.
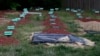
[14, 6]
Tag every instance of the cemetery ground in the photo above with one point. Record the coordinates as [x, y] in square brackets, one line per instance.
[25, 48]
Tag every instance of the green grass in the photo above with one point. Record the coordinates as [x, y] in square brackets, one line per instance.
[11, 16]
[27, 49]
[40, 50]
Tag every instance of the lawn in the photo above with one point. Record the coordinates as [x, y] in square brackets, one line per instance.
[25, 48]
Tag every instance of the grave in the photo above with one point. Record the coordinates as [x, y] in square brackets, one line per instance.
[52, 16]
[72, 10]
[37, 9]
[16, 20]
[10, 27]
[41, 8]
[50, 12]
[80, 17]
[75, 11]
[25, 10]
[78, 14]
[39, 13]
[67, 9]
[22, 15]
[79, 10]
[8, 33]
[51, 9]
[56, 9]
[97, 12]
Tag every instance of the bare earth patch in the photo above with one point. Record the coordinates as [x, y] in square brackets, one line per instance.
[90, 25]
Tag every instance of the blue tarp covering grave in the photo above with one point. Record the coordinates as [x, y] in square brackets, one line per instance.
[53, 38]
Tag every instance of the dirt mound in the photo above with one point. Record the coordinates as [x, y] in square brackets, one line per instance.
[57, 31]
[88, 20]
[89, 25]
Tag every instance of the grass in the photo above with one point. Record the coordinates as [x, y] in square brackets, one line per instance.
[11, 16]
[26, 49]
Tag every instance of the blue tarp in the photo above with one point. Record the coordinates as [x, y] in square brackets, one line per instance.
[43, 38]
[74, 39]
[53, 38]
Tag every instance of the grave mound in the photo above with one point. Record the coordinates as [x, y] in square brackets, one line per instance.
[88, 20]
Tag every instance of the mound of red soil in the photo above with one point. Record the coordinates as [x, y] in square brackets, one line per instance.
[57, 28]
[57, 31]
[8, 41]
[87, 20]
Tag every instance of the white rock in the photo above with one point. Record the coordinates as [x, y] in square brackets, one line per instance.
[64, 39]
[67, 9]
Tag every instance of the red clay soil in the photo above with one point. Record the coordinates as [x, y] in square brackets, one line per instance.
[8, 41]
[50, 29]
[87, 20]
[23, 21]
[28, 15]
[2, 12]
[57, 31]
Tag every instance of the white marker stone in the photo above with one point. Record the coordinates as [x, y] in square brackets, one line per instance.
[67, 9]
[39, 13]
[97, 12]
[51, 9]
[56, 9]
[78, 14]
[37, 9]
[78, 9]
[80, 17]
[41, 8]
[22, 15]
[73, 10]
[50, 12]
[6, 33]
[10, 27]
[25, 10]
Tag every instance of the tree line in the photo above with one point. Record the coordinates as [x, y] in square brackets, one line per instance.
[19, 4]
